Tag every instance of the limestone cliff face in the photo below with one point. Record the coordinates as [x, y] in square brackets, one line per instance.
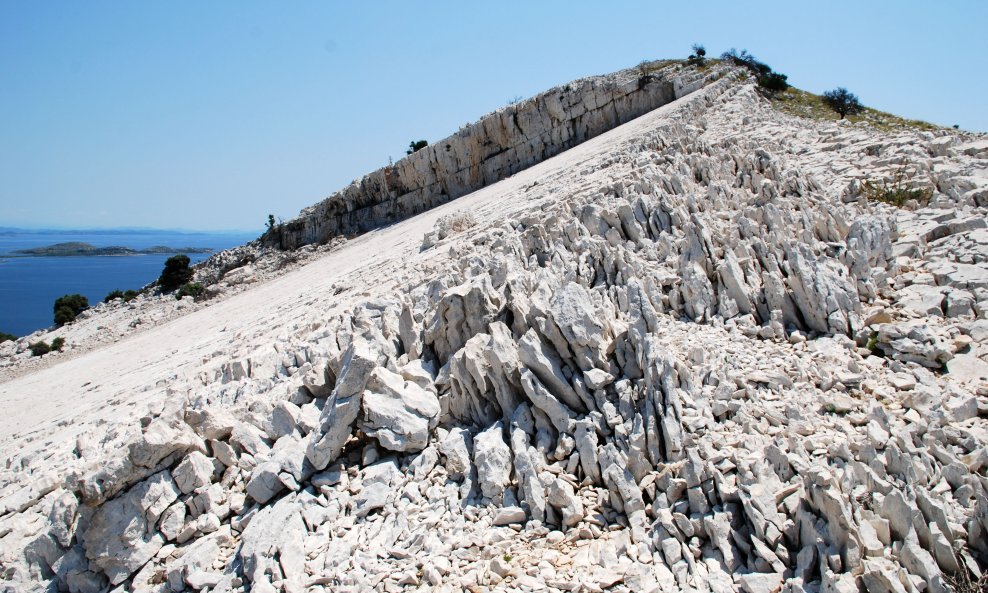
[497, 146]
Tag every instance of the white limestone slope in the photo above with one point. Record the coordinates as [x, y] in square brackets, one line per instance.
[648, 363]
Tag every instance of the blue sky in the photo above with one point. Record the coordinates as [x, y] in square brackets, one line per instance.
[210, 115]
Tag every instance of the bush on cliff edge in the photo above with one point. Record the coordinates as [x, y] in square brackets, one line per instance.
[176, 273]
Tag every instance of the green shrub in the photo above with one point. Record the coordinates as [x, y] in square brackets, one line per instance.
[770, 81]
[698, 57]
[68, 307]
[58, 343]
[416, 146]
[126, 295]
[176, 273]
[5, 337]
[192, 289]
[897, 191]
[843, 102]
[39, 348]
[773, 82]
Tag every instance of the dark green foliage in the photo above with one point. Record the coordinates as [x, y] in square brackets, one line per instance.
[770, 81]
[176, 273]
[773, 82]
[126, 295]
[58, 343]
[192, 289]
[68, 307]
[5, 337]
[416, 146]
[698, 57]
[270, 222]
[843, 102]
[39, 348]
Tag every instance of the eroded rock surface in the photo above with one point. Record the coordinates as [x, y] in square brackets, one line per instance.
[686, 355]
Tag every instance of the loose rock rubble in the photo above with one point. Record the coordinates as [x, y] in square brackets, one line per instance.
[697, 359]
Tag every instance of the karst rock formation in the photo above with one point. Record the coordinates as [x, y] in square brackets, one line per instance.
[644, 332]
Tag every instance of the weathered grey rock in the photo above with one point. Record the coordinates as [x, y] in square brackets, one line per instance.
[343, 407]
[194, 472]
[456, 447]
[823, 294]
[122, 534]
[509, 515]
[275, 530]
[920, 563]
[526, 465]
[265, 481]
[562, 496]
[163, 439]
[759, 582]
[923, 299]
[545, 364]
[214, 423]
[492, 458]
[198, 556]
[398, 413]
[285, 419]
[376, 487]
[63, 517]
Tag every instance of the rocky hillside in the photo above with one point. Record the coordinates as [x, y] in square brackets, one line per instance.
[693, 353]
[495, 147]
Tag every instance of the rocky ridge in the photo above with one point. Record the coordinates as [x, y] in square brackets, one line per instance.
[497, 146]
[689, 355]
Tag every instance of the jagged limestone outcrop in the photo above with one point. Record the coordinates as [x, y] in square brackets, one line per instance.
[697, 361]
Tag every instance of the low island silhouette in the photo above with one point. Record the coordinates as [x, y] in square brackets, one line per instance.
[86, 249]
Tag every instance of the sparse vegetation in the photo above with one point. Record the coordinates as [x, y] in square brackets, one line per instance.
[897, 191]
[872, 344]
[192, 289]
[768, 80]
[125, 295]
[176, 273]
[271, 222]
[773, 82]
[5, 337]
[963, 582]
[843, 102]
[39, 348]
[68, 307]
[804, 104]
[515, 100]
[698, 57]
[416, 146]
[58, 343]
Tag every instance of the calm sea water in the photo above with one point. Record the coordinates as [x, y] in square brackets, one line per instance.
[30, 285]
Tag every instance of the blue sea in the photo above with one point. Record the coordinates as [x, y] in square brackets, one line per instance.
[30, 285]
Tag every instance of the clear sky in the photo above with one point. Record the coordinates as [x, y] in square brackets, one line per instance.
[211, 115]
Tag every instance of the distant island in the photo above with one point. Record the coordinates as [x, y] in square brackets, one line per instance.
[79, 248]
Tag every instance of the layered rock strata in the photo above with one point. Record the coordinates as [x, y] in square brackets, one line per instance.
[497, 146]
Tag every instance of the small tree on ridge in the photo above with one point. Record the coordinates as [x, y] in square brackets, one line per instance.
[843, 102]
